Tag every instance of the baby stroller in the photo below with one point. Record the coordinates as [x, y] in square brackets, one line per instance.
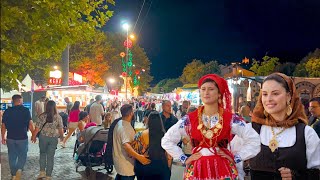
[91, 152]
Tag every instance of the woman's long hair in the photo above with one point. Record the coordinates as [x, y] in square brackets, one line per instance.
[51, 111]
[76, 106]
[156, 132]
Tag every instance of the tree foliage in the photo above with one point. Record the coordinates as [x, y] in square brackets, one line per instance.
[313, 67]
[100, 59]
[286, 68]
[35, 31]
[167, 85]
[193, 71]
[309, 65]
[264, 67]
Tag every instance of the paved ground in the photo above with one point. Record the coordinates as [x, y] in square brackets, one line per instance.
[64, 166]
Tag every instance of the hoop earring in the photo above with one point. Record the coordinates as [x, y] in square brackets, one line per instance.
[289, 109]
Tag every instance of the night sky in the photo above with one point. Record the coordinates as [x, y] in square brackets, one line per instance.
[176, 31]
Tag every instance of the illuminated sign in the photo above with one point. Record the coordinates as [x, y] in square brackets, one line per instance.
[55, 81]
[55, 74]
[77, 77]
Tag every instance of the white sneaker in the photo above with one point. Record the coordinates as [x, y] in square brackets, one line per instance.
[48, 178]
[41, 175]
[18, 174]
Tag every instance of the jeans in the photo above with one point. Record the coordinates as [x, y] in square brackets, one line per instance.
[17, 153]
[47, 146]
[119, 177]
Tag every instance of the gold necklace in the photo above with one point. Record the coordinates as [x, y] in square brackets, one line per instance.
[273, 143]
[209, 132]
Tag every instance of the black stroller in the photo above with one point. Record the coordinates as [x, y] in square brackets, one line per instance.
[91, 152]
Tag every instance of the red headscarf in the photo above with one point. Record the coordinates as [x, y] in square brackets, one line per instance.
[223, 89]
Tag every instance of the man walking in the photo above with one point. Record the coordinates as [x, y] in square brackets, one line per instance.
[16, 122]
[96, 111]
[123, 153]
[168, 118]
[39, 106]
[69, 105]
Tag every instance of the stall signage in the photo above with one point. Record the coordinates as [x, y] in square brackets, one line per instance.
[55, 81]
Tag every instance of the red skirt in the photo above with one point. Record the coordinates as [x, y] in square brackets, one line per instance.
[211, 168]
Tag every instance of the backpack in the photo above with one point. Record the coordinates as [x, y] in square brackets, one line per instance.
[108, 158]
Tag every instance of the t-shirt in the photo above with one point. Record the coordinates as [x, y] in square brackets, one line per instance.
[50, 129]
[123, 163]
[96, 111]
[69, 106]
[16, 120]
[39, 107]
[74, 116]
[168, 122]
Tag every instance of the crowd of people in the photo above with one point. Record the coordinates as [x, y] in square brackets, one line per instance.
[276, 140]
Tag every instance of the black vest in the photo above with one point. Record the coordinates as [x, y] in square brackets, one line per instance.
[266, 163]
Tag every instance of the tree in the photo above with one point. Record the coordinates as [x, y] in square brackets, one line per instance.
[139, 58]
[193, 71]
[313, 67]
[286, 68]
[100, 59]
[211, 67]
[171, 84]
[160, 85]
[265, 67]
[302, 70]
[34, 31]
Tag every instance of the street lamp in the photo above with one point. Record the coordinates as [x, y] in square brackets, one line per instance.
[111, 80]
[126, 27]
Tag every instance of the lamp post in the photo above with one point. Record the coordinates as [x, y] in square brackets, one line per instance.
[126, 27]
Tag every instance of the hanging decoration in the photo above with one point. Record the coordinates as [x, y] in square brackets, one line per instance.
[124, 74]
[127, 43]
[122, 54]
[136, 81]
[130, 62]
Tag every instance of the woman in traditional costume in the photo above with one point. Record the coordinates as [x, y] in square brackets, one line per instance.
[210, 130]
[289, 148]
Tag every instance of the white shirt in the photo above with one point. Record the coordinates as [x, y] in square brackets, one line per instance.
[123, 163]
[288, 138]
[249, 148]
[96, 112]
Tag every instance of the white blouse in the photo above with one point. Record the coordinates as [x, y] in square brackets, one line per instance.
[288, 138]
[249, 149]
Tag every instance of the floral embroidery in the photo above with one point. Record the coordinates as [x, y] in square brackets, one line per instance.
[237, 158]
[238, 120]
[188, 172]
[183, 158]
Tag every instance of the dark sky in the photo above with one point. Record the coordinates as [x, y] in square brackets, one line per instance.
[176, 31]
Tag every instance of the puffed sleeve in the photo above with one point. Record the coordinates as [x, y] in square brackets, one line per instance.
[250, 145]
[313, 148]
[173, 136]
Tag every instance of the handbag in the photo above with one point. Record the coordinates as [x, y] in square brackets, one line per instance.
[38, 134]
